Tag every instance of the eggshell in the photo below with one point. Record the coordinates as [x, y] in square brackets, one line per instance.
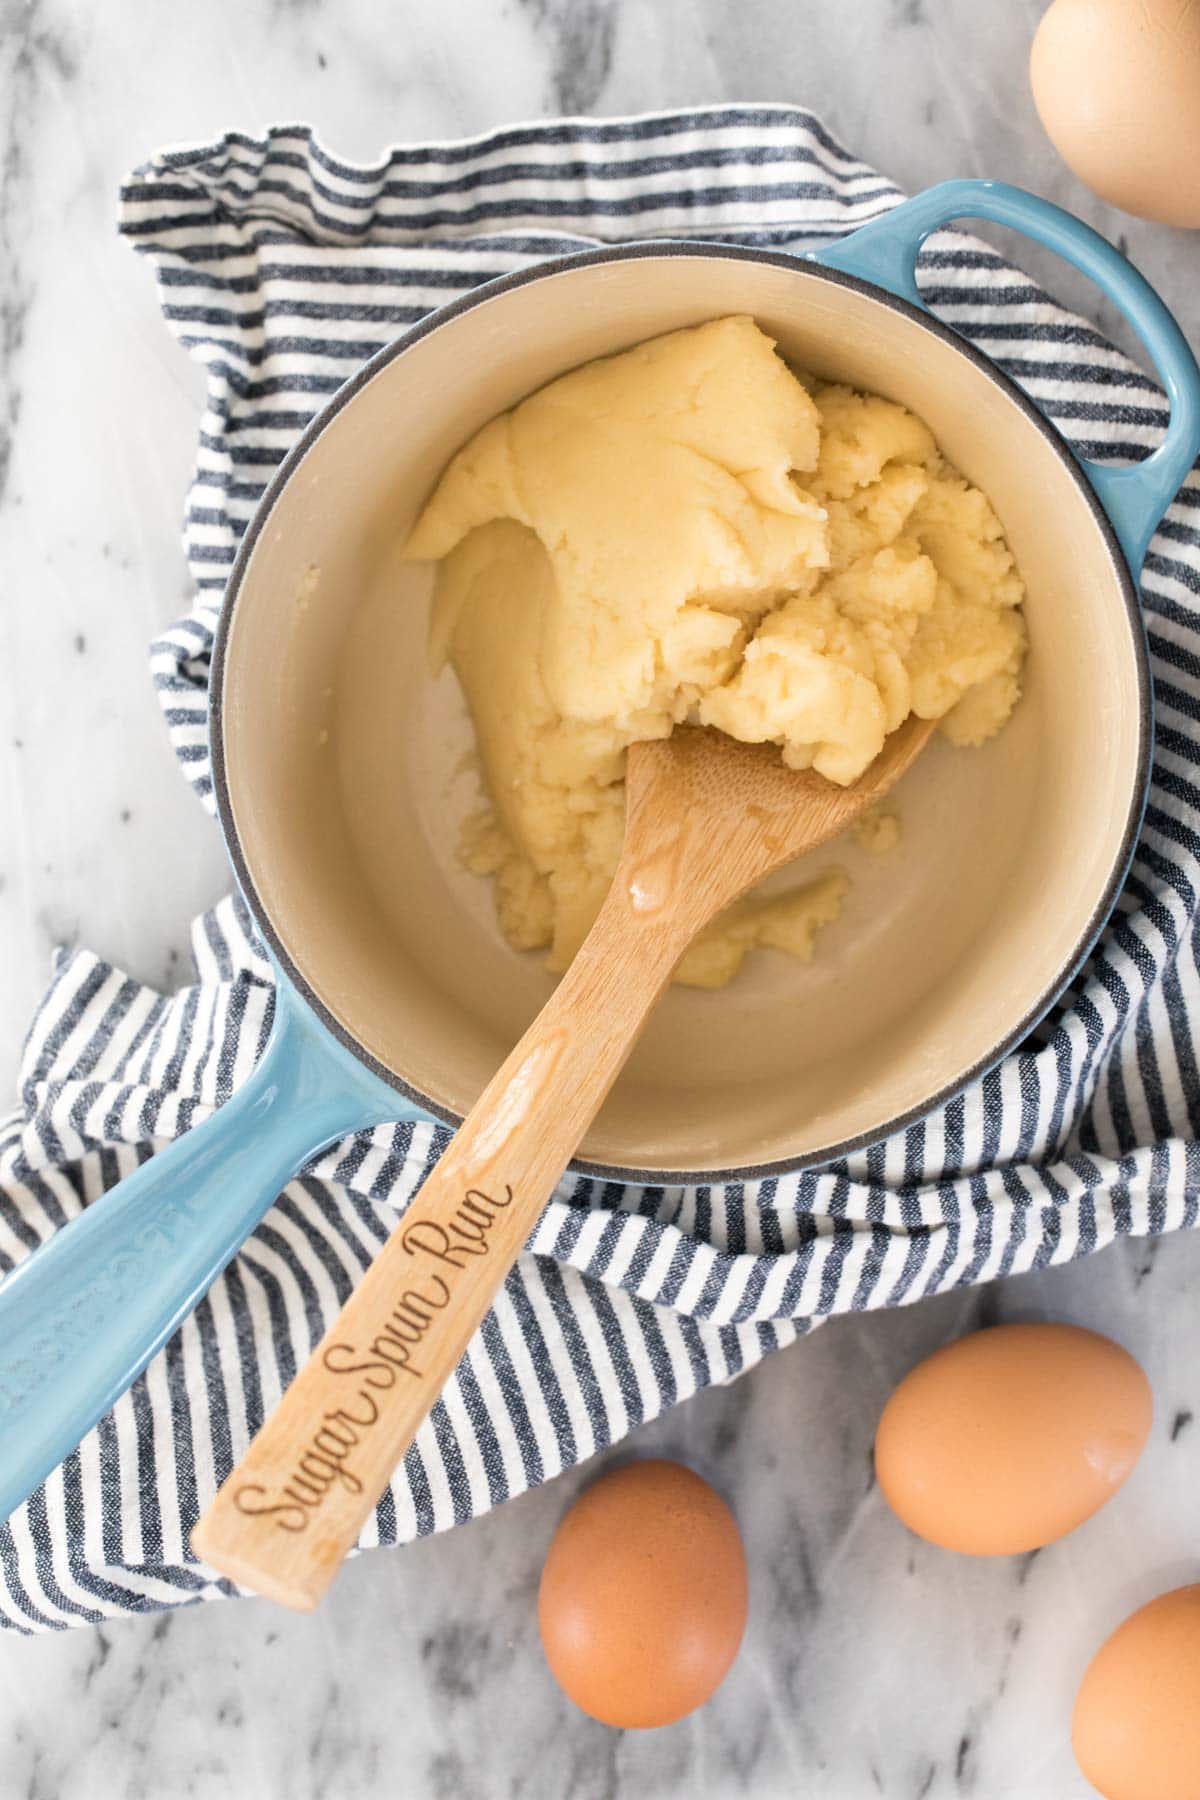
[1117, 85]
[1136, 1726]
[643, 1596]
[1011, 1437]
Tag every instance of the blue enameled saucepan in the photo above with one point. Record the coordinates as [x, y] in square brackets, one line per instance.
[334, 753]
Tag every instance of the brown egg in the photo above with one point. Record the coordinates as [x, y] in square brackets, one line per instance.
[1011, 1437]
[643, 1597]
[1136, 1726]
[1117, 85]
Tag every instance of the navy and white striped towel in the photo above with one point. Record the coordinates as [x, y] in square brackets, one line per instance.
[281, 267]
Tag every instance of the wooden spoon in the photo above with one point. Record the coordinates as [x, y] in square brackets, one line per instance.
[706, 818]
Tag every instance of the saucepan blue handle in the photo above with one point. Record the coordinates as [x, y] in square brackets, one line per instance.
[81, 1318]
[885, 253]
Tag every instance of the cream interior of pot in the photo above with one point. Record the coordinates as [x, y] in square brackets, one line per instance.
[348, 770]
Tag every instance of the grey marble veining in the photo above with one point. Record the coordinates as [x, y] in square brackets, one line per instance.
[873, 1664]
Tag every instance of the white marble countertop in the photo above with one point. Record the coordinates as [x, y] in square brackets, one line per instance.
[873, 1664]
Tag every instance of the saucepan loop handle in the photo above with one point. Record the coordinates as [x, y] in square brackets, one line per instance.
[885, 252]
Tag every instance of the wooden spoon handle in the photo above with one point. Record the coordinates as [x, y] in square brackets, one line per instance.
[294, 1506]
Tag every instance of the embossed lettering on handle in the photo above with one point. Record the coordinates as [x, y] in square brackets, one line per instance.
[74, 1317]
[394, 1355]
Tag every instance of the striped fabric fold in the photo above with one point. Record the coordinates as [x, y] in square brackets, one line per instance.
[281, 267]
